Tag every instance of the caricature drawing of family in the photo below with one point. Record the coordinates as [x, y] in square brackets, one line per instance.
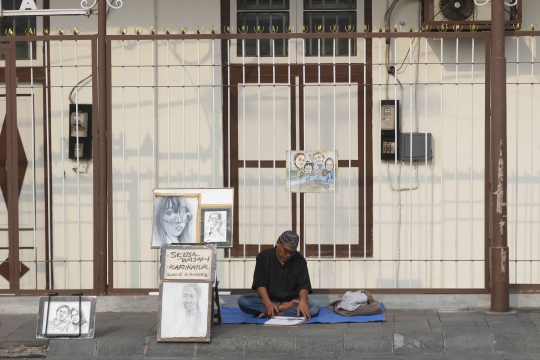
[68, 320]
[312, 171]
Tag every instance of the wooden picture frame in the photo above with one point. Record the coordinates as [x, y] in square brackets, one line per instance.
[188, 262]
[175, 324]
[175, 218]
[221, 216]
[59, 317]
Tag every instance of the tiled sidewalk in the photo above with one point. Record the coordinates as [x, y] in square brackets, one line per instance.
[406, 335]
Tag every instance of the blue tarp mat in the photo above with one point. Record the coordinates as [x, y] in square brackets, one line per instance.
[236, 316]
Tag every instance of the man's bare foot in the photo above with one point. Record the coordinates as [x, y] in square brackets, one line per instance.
[287, 305]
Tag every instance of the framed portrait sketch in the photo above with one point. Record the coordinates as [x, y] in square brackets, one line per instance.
[188, 262]
[66, 317]
[176, 217]
[312, 171]
[185, 313]
[216, 225]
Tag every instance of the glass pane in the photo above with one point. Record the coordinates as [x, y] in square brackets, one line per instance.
[329, 4]
[263, 5]
[265, 21]
[326, 20]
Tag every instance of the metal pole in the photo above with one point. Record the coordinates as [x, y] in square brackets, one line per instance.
[500, 297]
[101, 235]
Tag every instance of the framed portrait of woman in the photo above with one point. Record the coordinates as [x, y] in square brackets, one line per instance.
[176, 217]
[66, 317]
[184, 313]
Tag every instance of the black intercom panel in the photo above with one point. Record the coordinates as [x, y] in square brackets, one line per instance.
[80, 131]
[390, 130]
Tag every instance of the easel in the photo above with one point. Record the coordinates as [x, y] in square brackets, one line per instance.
[79, 294]
[215, 302]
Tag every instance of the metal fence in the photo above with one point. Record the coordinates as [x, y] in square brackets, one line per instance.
[195, 111]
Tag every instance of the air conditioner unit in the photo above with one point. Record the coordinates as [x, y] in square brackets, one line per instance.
[465, 13]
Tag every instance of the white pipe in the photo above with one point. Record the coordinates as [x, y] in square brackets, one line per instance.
[412, 117]
[516, 203]
[49, 167]
[34, 215]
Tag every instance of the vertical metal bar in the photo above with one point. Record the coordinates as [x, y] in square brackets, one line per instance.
[214, 155]
[442, 168]
[184, 110]
[304, 80]
[334, 147]
[380, 162]
[12, 158]
[411, 87]
[318, 148]
[168, 117]
[78, 162]
[63, 167]
[289, 125]
[139, 156]
[244, 145]
[397, 196]
[154, 136]
[472, 166]
[103, 154]
[229, 134]
[532, 161]
[124, 166]
[259, 136]
[456, 219]
[365, 162]
[516, 160]
[274, 132]
[349, 132]
[426, 172]
[34, 214]
[48, 154]
[199, 112]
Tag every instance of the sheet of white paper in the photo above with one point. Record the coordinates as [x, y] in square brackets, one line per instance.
[285, 320]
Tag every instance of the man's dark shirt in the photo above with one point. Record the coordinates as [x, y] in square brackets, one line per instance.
[283, 282]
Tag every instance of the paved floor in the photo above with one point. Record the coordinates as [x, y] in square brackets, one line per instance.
[406, 335]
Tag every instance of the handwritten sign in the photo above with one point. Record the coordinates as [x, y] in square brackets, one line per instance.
[187, 262]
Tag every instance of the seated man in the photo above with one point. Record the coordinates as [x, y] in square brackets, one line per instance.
[281, 279]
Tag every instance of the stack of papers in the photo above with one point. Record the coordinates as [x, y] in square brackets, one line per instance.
[285, 321]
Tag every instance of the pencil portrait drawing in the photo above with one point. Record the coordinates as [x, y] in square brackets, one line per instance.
[175, 220]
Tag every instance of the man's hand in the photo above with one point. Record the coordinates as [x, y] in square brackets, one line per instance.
[303, 309]
[270, 308]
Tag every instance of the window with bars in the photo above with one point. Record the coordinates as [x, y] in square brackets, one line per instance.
[263, 14]
[19, 25]
[327, 14]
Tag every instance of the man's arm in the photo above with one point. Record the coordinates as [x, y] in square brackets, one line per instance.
[268, 304]
[303, 307]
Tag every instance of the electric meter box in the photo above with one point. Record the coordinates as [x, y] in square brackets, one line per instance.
[418, 146]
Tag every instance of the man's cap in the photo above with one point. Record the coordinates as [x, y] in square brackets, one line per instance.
[289, 238]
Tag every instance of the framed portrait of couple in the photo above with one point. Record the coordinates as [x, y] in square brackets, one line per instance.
[192, 216]
[66, 317]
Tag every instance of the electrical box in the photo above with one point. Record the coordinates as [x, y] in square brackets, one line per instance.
[419, 142]
[390, 129]
[80, 131]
